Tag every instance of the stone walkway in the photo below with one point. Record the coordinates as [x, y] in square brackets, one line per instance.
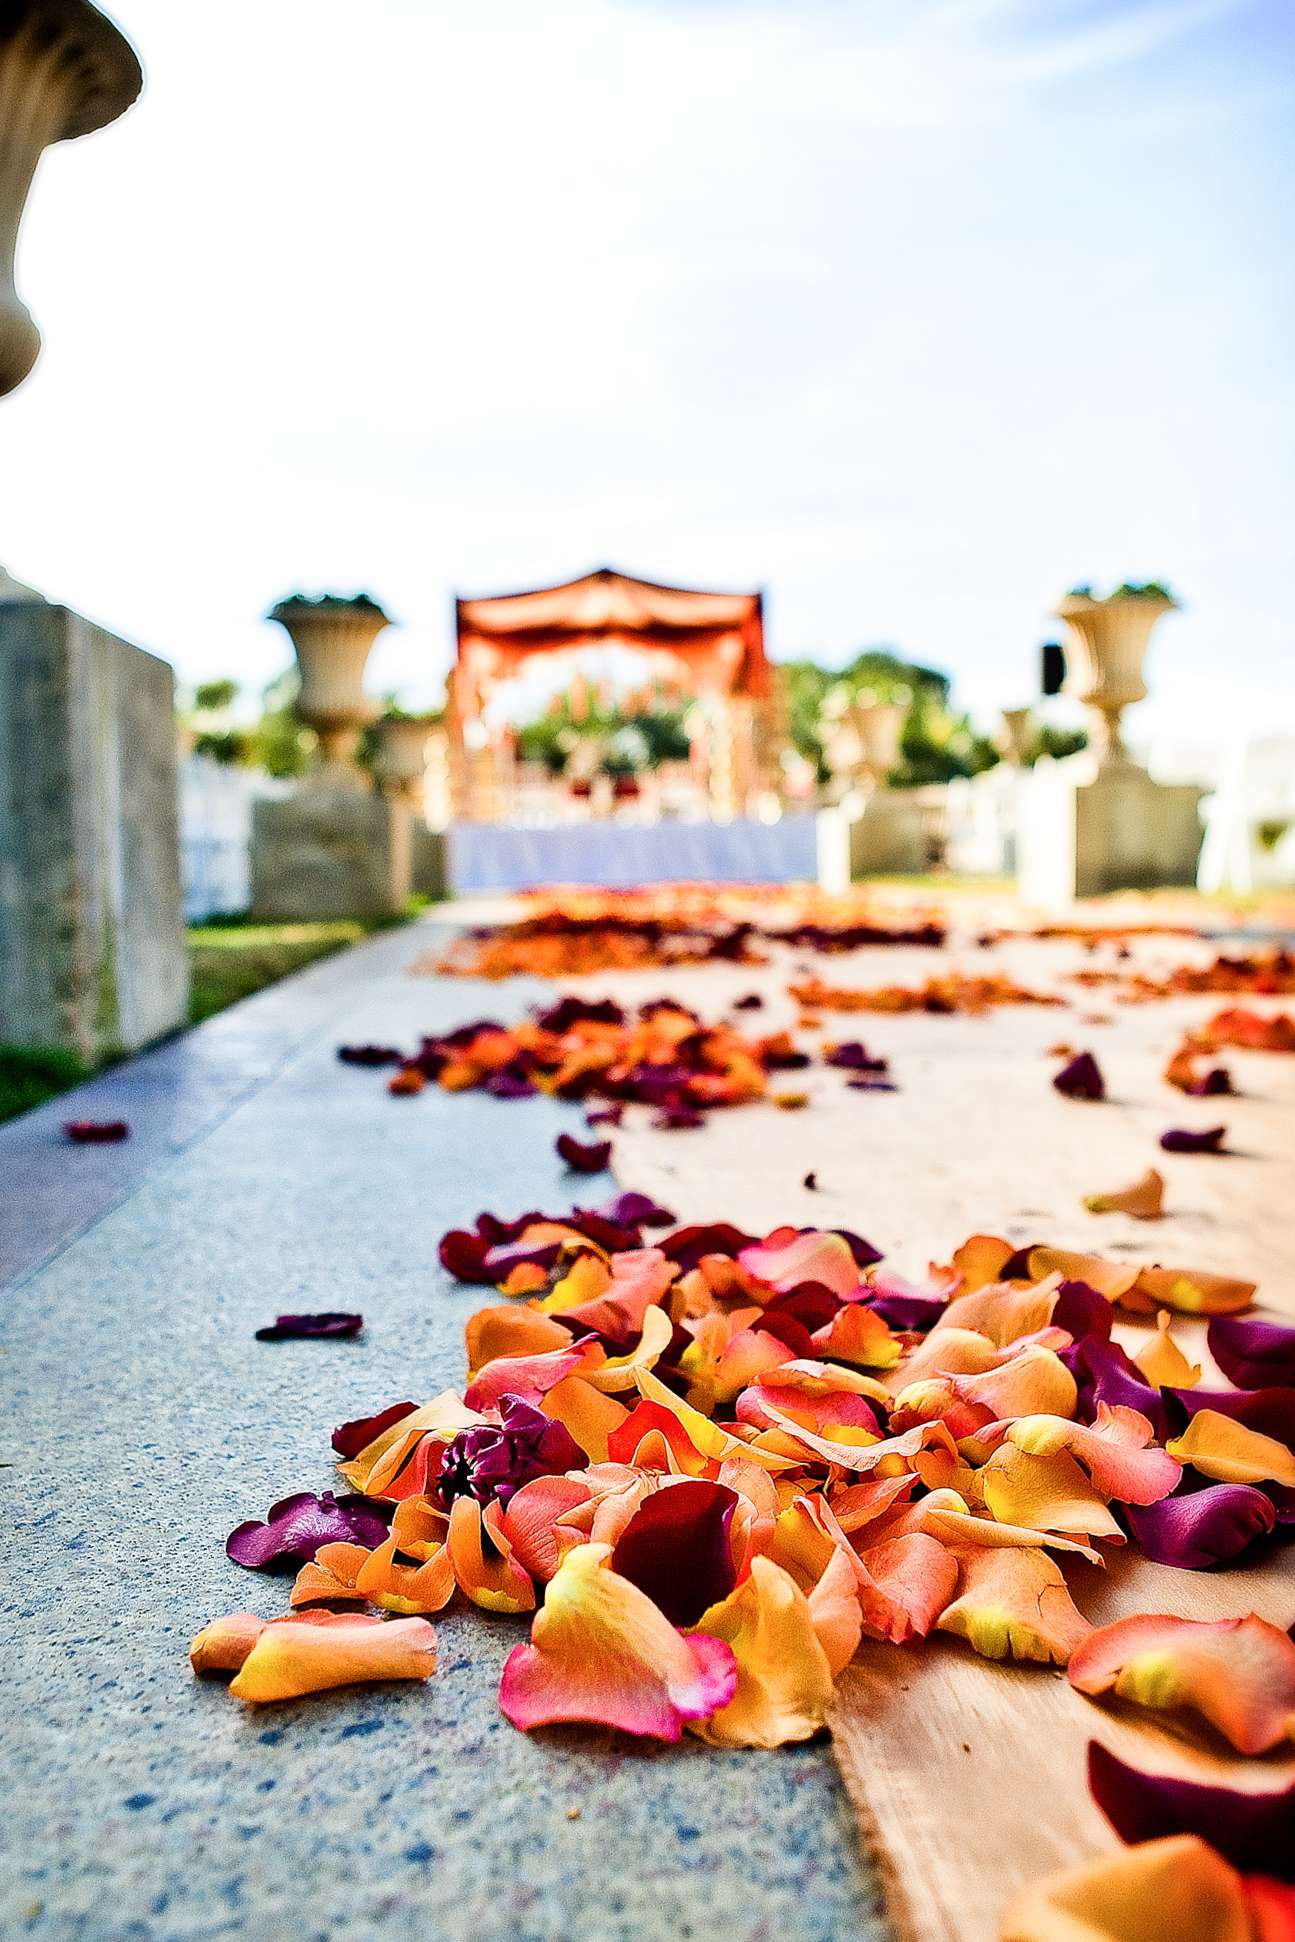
[144, 1422]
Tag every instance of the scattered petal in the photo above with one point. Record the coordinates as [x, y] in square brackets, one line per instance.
[95, 1132]
[1238, 1673]
[1220, 1447]
[295, 1528]
[1144, 1200]
[1255, 1832]
[1252, 1354]
[1013, 1603]
[1180, 1140]
[676, 1548]
[784, 1679]
[291, 1328]
[1081, 1078]
[1163, 1363]
[1195, 1529]
[1179, 1889]
[583, 1156]
[313, 1653]
[601, 1650]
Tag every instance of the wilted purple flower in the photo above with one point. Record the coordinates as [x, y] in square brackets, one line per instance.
[490, 1461]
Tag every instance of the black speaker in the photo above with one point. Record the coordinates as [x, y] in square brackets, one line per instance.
[1054, 667]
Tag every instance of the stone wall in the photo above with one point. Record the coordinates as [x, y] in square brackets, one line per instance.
[92, 947]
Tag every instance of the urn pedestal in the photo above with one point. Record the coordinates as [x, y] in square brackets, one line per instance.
[330, 852]
[332, 638]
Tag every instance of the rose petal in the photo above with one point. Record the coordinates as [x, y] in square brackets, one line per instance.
[350, 1438]
[1238, 1673]
[1179, 1139]
[1220, 1447]
[1081, 1078]
[1163, 1363]
[676, 1548]
[481, 1555]
[95, 1132]
[1144, 1200]
[787, 1258]
[784, 1680]
[1163, 1891]
[1252, 1354]
[1199, 1528]
[1113, 1451]
[295, 1656]
[583, 1156]
[1013, 1603]
[295, 1528]
[601, 1650]
[1255, 1832]
[289, 1328]
[1045, 1493]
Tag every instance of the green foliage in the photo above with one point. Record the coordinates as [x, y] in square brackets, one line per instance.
[1058, 742]
[31, 1074]
[936, 744]
[214, 697]
[632, 743]
[1127, 590]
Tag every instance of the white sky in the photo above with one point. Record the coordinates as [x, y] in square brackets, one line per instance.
[913, 312]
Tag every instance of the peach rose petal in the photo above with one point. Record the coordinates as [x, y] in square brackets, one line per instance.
[1238, 1673]
[716, 1445]
[959, 1526]
[1045, 1493]
[532, 1376]
[1163, 1363]
[316, 1651]
[224, 1644]
[980, 1260]
[601, 1651]
[786, 1258]
[784, 1678]
[590, 1416]
[1175, 1890]
[505, 1330]
[1031, 1383]
[1004, 1311]
[532, 1523]
[905, 1583]
[1113, 1449]
[1220, 1447]
[1013, 1603]
[397, 1586]
[858, 1335]
[835, 1612]
[1144, 1200]
[331, 1576]
[1191, 1291]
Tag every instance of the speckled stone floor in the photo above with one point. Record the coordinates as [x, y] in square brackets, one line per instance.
[143, 1421]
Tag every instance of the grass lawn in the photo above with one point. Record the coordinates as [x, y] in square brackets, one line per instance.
[229, 961]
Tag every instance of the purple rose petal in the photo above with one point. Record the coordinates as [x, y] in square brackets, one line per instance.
[678, 1119]
[1195, 1529]
[606, 1115]
[1106, 1374]
[95, 1132]
[1081, 1078]
[1179, 1139]
[1081, 1311]
[676, 1548]
[688, 1245]
[752, 1002]
[632, 1209]
[871, 1085]
[370, 1055]
[1253, 1354]
[1255, 1832]
[302, 1328]
[582, 1157]
[296, 1528]
[852, 1056]
[900, 1305]
[1217, 1080]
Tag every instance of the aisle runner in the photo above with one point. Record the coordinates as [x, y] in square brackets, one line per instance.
[493, 856]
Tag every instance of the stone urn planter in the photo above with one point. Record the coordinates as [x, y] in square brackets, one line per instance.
[332, 637]
[65, 70]
[1015, 735]
[880, 728]
[401, 762]
[1108, 640]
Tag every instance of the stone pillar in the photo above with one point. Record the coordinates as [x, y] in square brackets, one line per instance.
[65, 70]
[1097, 822]
[92, 945]
[332, 638]
[330, 852]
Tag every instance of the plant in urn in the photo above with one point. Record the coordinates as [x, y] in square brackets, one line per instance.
[1109, 640]
[332, 637]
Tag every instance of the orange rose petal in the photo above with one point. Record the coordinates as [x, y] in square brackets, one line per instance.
[1045, 1493]
[1004, 1311]
[224, 1644]
[707, 1438]
[1191, 1291]
[835, 1612]
[1144, 1200]
[1163, 1363]
[532, 1525]
[1175, 1890]
[617, 1373]
[532, 1376]
[506, 1329]
[331, 1575]
[317, 1651]
[1114, 1279]
[587, 1279]
[600, 1650]
[947, 1352]
[1238, 1673]
[784, 1678]
[481, 1557]
[905, 1584]
[398, 1586]
[590, 1416]
[526, 1278]
[419, 1528]
[980, 1261]
[858, 1335]
[1114, 1451]
[959, 1526]
[1013, 1603]
[1032, 1383]
[1228, 1451]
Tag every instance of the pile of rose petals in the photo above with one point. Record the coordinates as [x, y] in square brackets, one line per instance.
[660, 1055]
[1268, 974]
[570, 933]
[953, 993]
[1251, 1030]
[700, 1466]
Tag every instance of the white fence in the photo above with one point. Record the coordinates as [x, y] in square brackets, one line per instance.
[216, 834]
